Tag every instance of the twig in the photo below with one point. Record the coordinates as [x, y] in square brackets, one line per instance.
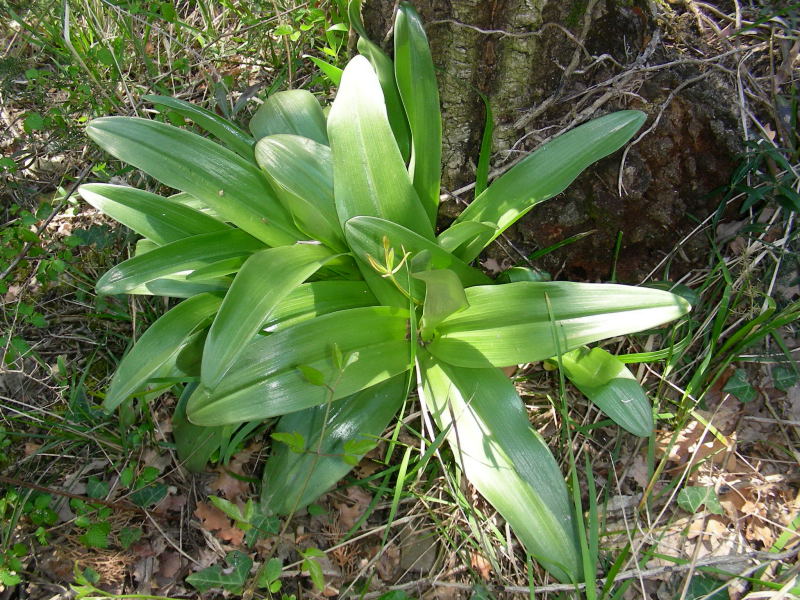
[625, 575]
[120, 505]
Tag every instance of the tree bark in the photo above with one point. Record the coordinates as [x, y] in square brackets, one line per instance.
[548, 65]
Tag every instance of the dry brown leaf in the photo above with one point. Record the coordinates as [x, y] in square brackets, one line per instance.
[229, 486]
[638, 471]
[350, 511]
[171, 503]
[388, 563]
[481, 565]
[214, 520]
[169, 565]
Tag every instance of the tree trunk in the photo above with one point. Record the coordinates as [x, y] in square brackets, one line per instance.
[548, 65]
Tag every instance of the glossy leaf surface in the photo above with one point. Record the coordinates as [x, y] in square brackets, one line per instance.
[267, 380]
[370, 178]
[162, 342]
[149, 215]
[318, 298]
[264, 280]
[384, 68]
[416, 81]
[292, 111]
[222, 129]
[220, 178]
[176, 258]
[549, 170]
[528, 321]
[303, 170]
[504, 458]
[606, 381]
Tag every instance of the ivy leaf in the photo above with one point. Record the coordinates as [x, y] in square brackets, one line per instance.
[149, 495]
[740, 387]
[231, 579]
[783, 378]
[692, 497]
[96, 488]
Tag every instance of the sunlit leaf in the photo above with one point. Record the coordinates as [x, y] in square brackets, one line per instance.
[220, 178]
[370, 177]
[549, 170]
[301, 172]
[528, 321]
[222, 129]
[176, 258]
[149, 215]
[266, 381]
[416, 81]
[504, 458]
[292, 111]
[607, 382]
[161, 343]
[260, 285]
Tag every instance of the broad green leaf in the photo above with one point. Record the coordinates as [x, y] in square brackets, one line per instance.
[194, 203]
[384, 68]
[692, 497]
[370, 178]
[504, 458]
[292, 111]
[195, 445]
[549, 170]
[301, 172]
[444, 295]
[143, 246]
[467, 238]
[416, 80]
[332, 72]
[292, 480]
[266, 381]
[218, 177]
[149, 215]
[607, 382]
[740, 386]
[161, 343]
[176, 258]
[365, 235]
[318, 298]
[263, 281]
[230, 579]
[222, 129]
[226, 266]
[181, 286]
[528, 321]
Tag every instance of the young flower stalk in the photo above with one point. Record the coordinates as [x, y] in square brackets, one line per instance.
[264, 317]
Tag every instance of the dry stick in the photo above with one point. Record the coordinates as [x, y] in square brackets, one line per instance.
[630, 574]
[28, 245]
[121, 505]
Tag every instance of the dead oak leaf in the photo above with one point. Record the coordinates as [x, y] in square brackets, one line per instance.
[214, 520]
[481, 565]
[229, 486]
[353, 507]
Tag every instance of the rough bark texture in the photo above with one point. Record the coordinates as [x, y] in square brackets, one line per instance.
[547, 65]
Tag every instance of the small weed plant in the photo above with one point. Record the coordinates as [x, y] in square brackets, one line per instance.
[315, 292]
